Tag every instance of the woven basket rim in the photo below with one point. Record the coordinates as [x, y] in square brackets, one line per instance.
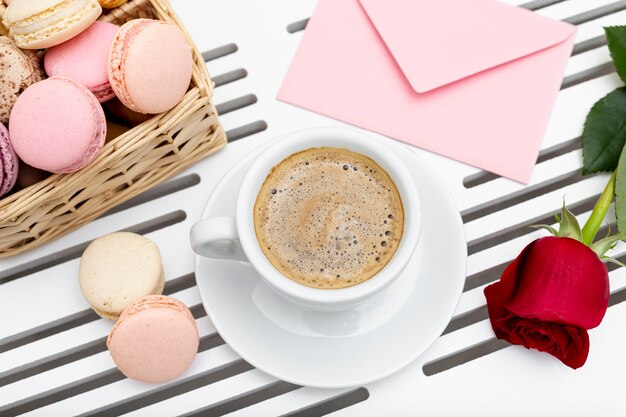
[123, 169]
[200, 79]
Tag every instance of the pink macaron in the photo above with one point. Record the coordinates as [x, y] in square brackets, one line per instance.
[8, 162]
[150, 65]
[154, 340]
[57, 125]
[85, 58]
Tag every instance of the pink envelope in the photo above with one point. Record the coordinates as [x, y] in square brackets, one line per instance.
[472, 80]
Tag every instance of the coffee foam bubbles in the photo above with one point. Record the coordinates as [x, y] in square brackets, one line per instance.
[328, 218]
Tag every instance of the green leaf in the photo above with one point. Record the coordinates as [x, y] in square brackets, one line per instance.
[604, 245]
[545, 227]
[613, 260]
[616, 38]
[569, 225]
[604, 134]
[620, 193]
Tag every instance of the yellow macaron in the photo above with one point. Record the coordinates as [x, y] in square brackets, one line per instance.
[38, 24]
[111, 4]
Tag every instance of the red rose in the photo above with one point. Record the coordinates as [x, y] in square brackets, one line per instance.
[549, 296]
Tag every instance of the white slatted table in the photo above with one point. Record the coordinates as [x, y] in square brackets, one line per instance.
[53, 360]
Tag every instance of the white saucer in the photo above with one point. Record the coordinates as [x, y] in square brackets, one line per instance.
[340, 349]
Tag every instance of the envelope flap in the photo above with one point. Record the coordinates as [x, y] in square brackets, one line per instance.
[439, 42]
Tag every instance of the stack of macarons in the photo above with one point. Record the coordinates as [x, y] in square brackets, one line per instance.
[155, 337]
[57, 124]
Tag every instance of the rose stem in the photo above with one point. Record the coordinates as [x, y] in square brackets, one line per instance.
[599, 211]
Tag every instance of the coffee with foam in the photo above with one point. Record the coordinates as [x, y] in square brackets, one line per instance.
[328, 218]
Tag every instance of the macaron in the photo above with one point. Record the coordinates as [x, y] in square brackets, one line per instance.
[18, 70]
[38, 24]
[57, 125]
[8, 162]
[155, 339]
[117, 269]
[150, 65]
[111, 4]
[84, 58]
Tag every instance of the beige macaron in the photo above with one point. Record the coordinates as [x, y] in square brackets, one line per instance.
[39, 24]
[117, 269]
[18, 70]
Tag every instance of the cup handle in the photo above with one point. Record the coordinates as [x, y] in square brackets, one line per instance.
[217, 238]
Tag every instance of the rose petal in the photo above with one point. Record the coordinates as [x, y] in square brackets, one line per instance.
[506, 330]
[562, 341]
[537, 336]
[501, 292]
[568, 344]
[573, 345]
[561, 281]
[534, 334]
[579, 350]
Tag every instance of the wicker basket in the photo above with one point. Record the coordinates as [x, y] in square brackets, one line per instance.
[129, 164]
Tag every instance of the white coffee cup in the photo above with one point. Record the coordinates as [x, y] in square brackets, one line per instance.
[234, 238]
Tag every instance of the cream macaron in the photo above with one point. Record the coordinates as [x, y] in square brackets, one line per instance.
[38, 24]
[117, 269]
[18, 70]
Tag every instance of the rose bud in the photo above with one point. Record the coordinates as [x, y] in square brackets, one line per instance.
[557, 288]
[554, 291]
